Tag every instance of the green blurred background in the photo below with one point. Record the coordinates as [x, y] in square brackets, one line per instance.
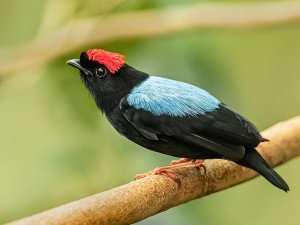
[56, 147]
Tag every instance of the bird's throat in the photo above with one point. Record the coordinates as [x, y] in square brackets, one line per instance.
[107, 103]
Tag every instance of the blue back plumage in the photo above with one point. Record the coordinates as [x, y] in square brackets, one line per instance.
[162, 96]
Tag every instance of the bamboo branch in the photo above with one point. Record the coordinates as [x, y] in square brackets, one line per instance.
[144, 24]
[143, 198]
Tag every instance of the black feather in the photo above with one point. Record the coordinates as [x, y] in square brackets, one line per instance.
[255, 161]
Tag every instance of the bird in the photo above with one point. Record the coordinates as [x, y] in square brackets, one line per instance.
[169, 116]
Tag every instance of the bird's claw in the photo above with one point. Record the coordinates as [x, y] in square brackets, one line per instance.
[165, 171]
[187, 162]
[179, 161]
[168, 171]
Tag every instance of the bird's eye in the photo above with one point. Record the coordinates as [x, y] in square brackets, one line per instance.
[101, 72]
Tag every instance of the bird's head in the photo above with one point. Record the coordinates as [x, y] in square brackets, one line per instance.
[106, 75]
[99, 70]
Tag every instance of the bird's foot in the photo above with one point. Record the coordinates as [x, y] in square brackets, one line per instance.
[187, 162]
[168, 171]
[181, 160]
[165, 171]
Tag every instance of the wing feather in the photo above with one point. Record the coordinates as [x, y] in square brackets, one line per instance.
[160, 106]
[191, 130]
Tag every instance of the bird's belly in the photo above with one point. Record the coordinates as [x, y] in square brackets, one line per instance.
[172, 146]
[166, 144]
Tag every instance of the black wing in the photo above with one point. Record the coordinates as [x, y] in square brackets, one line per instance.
[232, 127]
[222, 131]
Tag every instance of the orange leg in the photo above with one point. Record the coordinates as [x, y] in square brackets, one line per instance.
[181, 160]
[169, 170]
[165, 171]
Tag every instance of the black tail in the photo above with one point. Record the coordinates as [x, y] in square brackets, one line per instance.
[255, 161]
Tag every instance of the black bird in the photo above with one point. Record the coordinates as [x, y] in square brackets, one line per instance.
[168, 116]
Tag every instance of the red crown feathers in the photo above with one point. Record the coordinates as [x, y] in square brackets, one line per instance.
[113, 61]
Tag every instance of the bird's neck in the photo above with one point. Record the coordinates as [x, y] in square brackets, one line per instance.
[130, 78]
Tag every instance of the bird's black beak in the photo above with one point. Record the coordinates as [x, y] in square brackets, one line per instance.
[76, 63]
